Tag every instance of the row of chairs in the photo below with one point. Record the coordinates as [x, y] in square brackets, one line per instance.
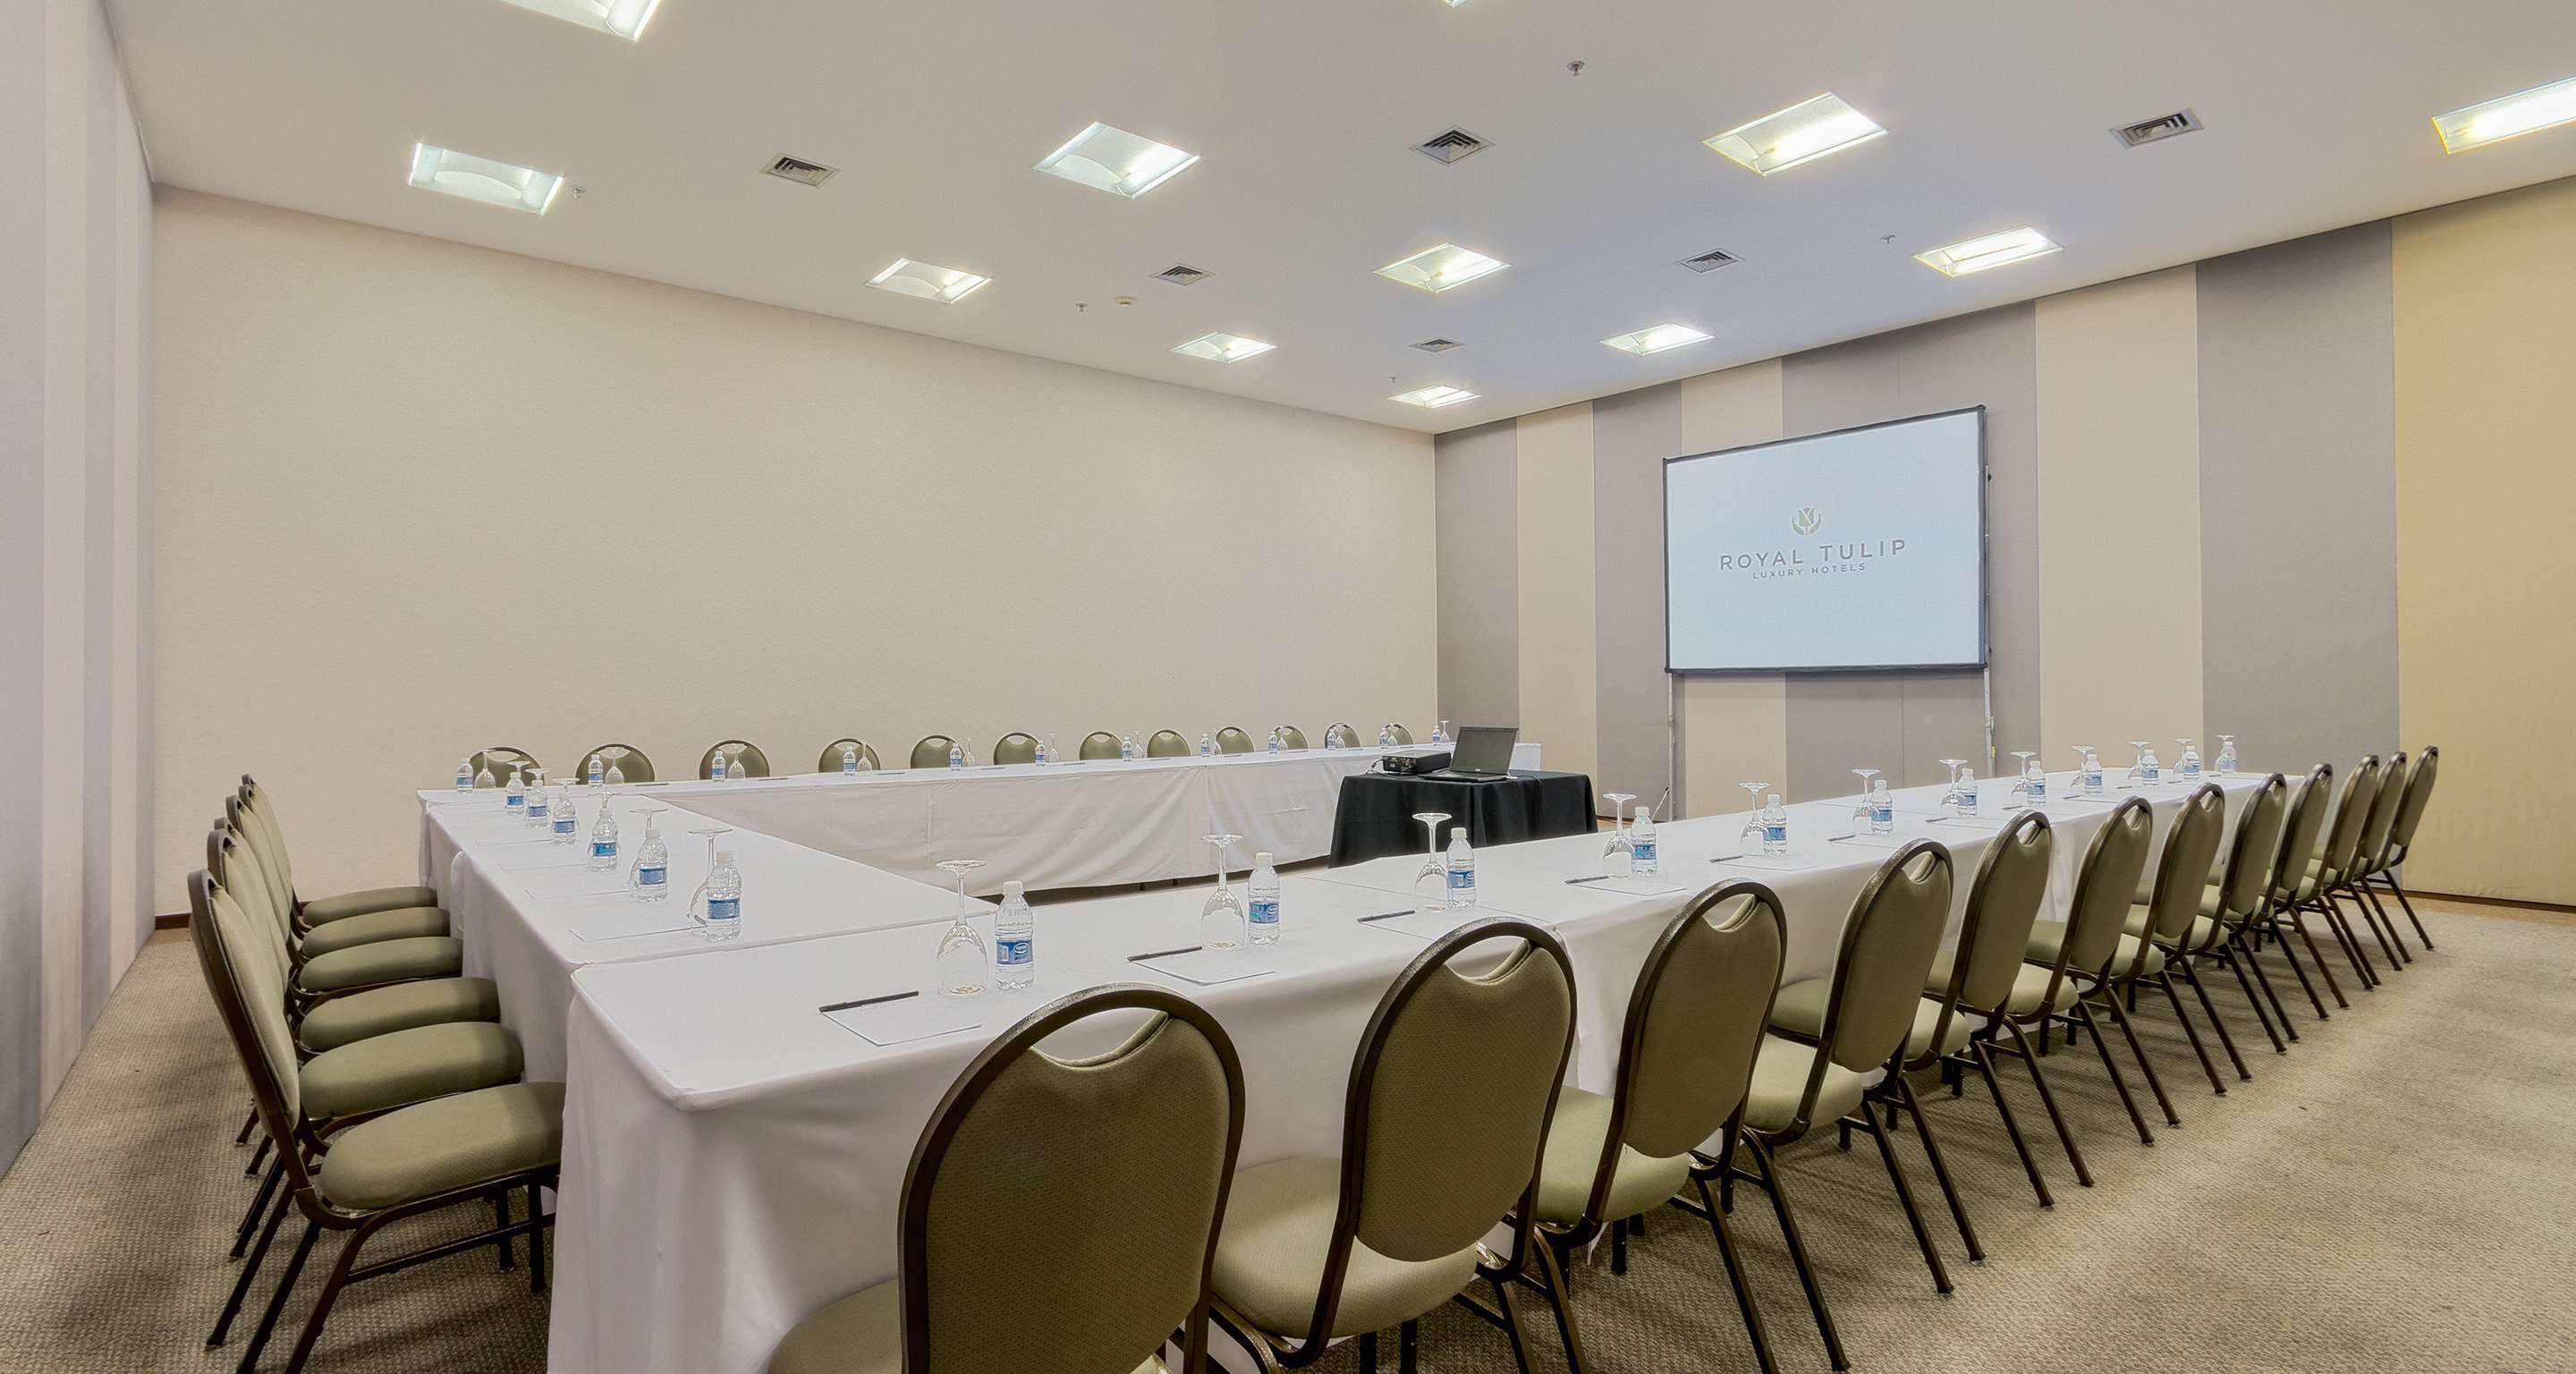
[930, 752]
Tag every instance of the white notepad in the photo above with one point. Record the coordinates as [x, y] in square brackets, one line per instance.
[1971, 822]
[1209, 967]
[549, 886]
[1419, 925]
[918, 1017]
[634, 924]
[530, 858]
[1887, 842]
[1771, 863]
[1656, 886]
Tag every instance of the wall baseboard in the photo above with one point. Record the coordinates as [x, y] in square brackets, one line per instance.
[178, 922]
[2490, 901]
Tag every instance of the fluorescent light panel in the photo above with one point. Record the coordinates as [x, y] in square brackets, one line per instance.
[624, 18]
[1116, 161]
[929, 281]
[450, 172]
[1434, 397]
[2524, 112]
[1222, 347]
[1656, 340]
[1797, 135]
[1438, 269]
[1994, 250]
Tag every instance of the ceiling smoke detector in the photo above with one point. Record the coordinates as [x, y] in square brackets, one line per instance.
[2147, 131]
[1182, 274]
[1451, 147]
[798, 170]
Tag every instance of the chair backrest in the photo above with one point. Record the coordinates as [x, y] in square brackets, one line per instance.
[499, 758]
[2410, 812]
[755, 764]
[1290, 737]
[2382, 821]
[2003, 904]
[932, 751]
[1402, 735]
[235, 871]
[1694, 1024]
[250, 999]
[1061, 1214]
[1233, 740]
[2104, 887]
[2251, 855]
[1016, 747]
[829, 761]
[1449, 1102]
[1099, 744]
[2343, 838]
[2182, 874]
[628, 760]
[1887, 948]
[1339, 735]
[2307, 817]
[251, 811]
[1167, 744]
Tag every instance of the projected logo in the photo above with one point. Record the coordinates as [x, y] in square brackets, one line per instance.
[1806, 521]
[1813, 560]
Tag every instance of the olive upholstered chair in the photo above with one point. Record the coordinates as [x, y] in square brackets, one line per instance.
[1290, 737]
[829, 761]
[755, 764]
[2079, 952]
[2341, 851]
[932, 751]
[260, 823]
[2230, 903]
[1339, 735]
[1403, 736]
[1016, 747]
[2164, 922]
[1984, 976]
[2382, 874]
[618, 763]
[1099, 744]
[2376, 827]
[1167, 744]
[500, 758]
[2307, 818]
[1233, 740]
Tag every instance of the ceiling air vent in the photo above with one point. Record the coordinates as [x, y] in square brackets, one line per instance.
[1437, 345]
[1451, 146]
[798, 170]
[2147, 131]
[1711, 260]
[1182, 274]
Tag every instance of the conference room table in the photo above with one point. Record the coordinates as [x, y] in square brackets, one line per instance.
[734, 1155]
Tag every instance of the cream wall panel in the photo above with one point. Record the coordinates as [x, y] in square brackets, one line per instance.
[1559, 689]
[416, 497]
[2119, 518]
[2486, 572]
[1734, 727]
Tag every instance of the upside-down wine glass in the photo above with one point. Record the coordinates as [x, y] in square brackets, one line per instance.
[1621, 851]
[1753, 788]
[2088, 772]
[2146, 771]
[1877, 804]
[2032, 790]
[1221, 918]
[1431, 884]
[650, 877]
[2187, 760]
[2226, 761]
[698, 899]
[965, 966]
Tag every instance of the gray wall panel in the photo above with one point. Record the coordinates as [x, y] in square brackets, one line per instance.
[1632, 434]
[2298, 488]
[1476, 481]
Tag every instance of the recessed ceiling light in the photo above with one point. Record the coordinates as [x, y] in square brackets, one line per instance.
[1434, 397]
[1223, 348]
[2523, 112]
[1994, 250]
[1656, 340]
[1437, 269]
[945, 285]
[1116, 161]
[624, 18]
[480, 178]
[1801, 133]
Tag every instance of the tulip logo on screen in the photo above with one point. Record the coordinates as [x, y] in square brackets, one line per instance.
[1806, 521]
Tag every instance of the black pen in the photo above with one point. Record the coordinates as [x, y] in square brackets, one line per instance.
[1726, 858]
[866, 1002]
[1163, 953]
[1597, 877]
[1386, 916]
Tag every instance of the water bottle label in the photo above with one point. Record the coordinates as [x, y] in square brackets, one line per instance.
[1776, 833]
[1645, 851]
[1461, 879]
[1265, 910]
[1882, 815]
[1011, 952]
[603, 849]
[1968, 803]
[564, 825]
[2150, 774]
[536, 811]
[652, 877]
[724, 908]
[2039, 789]
[514, 801]
[597, 773]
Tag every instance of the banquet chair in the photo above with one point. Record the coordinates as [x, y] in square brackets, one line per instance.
[932, 751]
[348, 930]
[1167, 744]
[2072, 954]
[2325, 870]
[2163, 925]
[2375, 830]
[1402, 736]
[1828, 1034]
[2227, 906]
[629, 761]
[1040, 1229]
[2401, 837]
[1290, 737]
[1233, 740]
[500, 758]
[2307, 816]
[829, 761]
[1983, 975]
[1442, 1126]
[1016, 747]
[473, 1147]
[1099, 744]
[755, 764]
[265, 828]
[1340, 735]
[1686, 1052]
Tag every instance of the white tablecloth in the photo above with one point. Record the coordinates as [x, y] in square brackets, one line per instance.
[733, 1158]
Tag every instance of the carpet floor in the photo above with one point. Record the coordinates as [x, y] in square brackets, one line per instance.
[2396, 1193]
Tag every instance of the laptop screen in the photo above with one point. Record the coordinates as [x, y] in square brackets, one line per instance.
[1485, 749]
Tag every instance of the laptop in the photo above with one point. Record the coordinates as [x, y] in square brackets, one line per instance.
[1483, 754]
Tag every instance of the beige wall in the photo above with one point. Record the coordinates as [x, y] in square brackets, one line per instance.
[2486, 572]
[415, 497]
[1559, 689]
[1734, 727]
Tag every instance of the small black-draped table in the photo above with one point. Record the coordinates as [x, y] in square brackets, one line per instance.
[1373, 817]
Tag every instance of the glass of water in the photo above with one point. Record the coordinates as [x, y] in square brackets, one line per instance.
[965, 965]
[1431, 882]
[1221, 919]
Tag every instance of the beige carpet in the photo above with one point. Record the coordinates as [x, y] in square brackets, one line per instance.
[2397, 1193]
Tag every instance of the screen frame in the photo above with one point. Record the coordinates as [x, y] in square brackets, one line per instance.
[1985, 560]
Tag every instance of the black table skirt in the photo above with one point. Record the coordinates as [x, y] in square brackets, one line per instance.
[1374, 816]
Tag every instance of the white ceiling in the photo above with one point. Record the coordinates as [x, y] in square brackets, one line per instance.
[2318, 115]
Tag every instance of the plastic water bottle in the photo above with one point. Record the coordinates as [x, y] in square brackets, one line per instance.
[1641, 840]
[2092, 774]
[1882, 808]
[1264, 890]
[2226, 755]
[465, 775]
[1207, 745]
[734, 771]
[956, 754]
[651, 878]
[1126, 748]
[716, 766]
[565, 818]
[1967, 791]
[849, 760]
[724, 898]
[483, 778]
[603, 838]
[1041, 752]
[2189, 764]
[1386, 737]
[598, 770]
[515, 797]
[1015, 946]
[1775, 826]
[533, 799]
[1462, 870]
[1276, 744]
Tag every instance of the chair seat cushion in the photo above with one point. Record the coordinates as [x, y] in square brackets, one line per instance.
[2202, 927]
[409, 1066]
[1573, 1158]
[400, 923]
[2030, 987]
[340, 906]
[860, 1334]
[1780, 1080]
[2047, 936]
[1799, 1010]
[384, 961]
[381, 1011]
[443, 1145]
[1270, 1257]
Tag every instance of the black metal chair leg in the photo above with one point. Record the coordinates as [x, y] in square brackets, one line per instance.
[1368, 1352]
[2379, 913]
[1735, 1280]
[1797, 1251]
[2118, 1080]
[1985, 1063]
[536, 1243]
[277, 1300]
[2399, 892]
[2146, 1066]
[330, 1294]
[251, 1122]
[1511, 1323]
[2048, 1100]
[2362, 968]
[1940, 1169]
[2226, 1041]
[2299, 923]
[2240, 961]
[2369, 921]
[258, 1204]
[1619, 1247]
[1407, 1357]
[249, 1273]
[1905, 1198]
[501, 1220]
[1562, 1303]
[2190, 1032]
[257, 1158]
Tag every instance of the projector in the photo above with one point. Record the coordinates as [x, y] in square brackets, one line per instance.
[1412, 761]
